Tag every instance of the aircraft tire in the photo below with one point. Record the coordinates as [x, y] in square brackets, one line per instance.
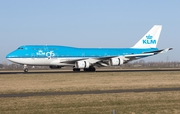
[26, 70]
[76, 69]
[90, 69]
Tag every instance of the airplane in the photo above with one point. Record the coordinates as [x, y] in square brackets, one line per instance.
[87, 59]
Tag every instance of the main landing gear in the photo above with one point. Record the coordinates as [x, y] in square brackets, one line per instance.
[90, 69]
[25, 68]
[76, 69]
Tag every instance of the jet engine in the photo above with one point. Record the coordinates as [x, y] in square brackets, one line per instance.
[116, 61]
[82, 64]
[54, 67]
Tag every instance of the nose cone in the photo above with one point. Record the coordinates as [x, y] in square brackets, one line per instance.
[8, 55]
[12, 56]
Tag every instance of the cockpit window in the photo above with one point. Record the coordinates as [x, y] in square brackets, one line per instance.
[20, 48]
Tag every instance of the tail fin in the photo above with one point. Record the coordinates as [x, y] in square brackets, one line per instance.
[150, 39]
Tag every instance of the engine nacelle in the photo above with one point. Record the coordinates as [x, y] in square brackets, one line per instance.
[54, 67]
[116, 61]
[82, 64]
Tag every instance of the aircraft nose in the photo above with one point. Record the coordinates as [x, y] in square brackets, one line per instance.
[11, 55]
[8, 55]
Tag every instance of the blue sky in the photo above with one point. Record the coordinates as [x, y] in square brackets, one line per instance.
[88, 23]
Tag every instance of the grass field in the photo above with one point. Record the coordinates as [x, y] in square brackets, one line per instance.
[130, 103]
[20, 83]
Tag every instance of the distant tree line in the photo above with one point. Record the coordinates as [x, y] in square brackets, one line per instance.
[160, 64]
[136, 64]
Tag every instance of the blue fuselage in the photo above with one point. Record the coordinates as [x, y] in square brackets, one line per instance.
[44, 51]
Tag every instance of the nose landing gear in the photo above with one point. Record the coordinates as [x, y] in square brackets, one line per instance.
[25, 68]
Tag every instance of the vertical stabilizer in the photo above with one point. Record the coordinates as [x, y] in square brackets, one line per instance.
[150, 39]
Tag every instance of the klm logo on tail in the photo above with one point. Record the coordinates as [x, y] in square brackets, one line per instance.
[149, 40]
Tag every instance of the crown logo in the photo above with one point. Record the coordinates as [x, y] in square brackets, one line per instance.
[149, 37]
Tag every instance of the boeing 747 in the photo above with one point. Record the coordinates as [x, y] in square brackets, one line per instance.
[87, 59]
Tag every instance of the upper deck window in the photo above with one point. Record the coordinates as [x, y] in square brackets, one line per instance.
[37, 48]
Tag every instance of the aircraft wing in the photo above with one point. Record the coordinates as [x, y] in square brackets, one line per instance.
[126, 58]
[145, 54]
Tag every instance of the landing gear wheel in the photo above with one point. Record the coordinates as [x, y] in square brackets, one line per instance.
[26, 70]
[76, 69]
[90, 69]
[93, 69]
[86, 69]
